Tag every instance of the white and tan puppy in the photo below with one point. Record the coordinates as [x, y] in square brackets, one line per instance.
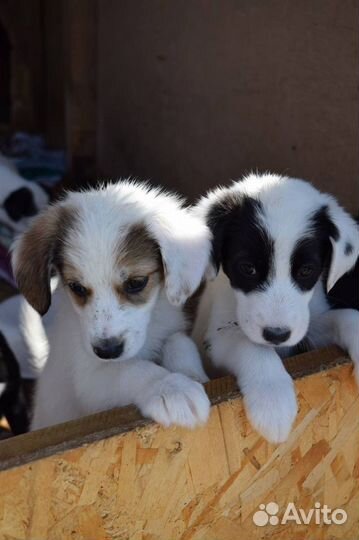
[127, 257]
[279, 244]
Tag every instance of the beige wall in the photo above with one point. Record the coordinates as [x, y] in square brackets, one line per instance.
[194, 93]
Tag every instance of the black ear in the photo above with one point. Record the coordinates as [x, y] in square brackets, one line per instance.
[217, 218]
[20, 204]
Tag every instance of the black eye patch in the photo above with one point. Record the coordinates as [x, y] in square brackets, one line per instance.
[20, 204]
[311, 253]
[307, 263]
[247, 249]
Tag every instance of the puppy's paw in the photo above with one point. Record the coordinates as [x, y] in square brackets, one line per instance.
[271, 408]
[176, 399]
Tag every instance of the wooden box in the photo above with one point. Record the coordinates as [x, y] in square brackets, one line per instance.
[117, 476]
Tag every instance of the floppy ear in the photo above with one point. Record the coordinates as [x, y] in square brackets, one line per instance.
[216, 220]
[35, 251]
[215, 210]
[344, 237]
[185, 244]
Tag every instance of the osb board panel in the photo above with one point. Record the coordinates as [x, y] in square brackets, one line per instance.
[154, 484]
[61, 437]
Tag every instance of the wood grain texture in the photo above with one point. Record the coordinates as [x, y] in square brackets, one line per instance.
[149, 483]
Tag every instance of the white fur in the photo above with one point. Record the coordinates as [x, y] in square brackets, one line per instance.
[181, 354]
[230, 322]
[24, 332]
[75, 381]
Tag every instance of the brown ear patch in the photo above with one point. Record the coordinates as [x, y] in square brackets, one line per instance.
[139, 252]
[139, 256]
[36, 250]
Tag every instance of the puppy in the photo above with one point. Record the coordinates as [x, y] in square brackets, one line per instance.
[280, 244]
[127, 258]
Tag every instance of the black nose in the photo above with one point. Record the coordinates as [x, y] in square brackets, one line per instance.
[276, 335]
[108, 348]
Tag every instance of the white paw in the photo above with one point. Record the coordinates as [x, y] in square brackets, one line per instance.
[271, 408]
[176, 399]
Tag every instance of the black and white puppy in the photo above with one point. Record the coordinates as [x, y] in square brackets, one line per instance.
[281, 245]
[20, 199]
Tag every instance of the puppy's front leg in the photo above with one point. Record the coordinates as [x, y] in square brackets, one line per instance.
[181, 355]
[268, 390]
[342, 325]
[167, 398]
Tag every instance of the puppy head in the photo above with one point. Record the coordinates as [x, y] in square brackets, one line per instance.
[274, 238]
[20, 199]
[114, 249]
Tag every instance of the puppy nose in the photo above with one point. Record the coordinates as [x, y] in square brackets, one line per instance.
[276, 335]
[108, 348]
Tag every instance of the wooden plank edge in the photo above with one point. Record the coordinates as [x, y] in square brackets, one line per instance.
[56, 439]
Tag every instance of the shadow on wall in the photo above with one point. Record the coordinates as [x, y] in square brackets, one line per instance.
[192, 94]
[5, 76]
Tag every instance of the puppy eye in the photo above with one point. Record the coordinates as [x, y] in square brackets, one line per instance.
[305, 271]
[135, 285]
[248, 269]
[78, 289]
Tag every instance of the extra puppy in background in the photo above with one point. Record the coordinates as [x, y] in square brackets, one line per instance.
[281, 245]
[127, 257]
[23, 354]
[20, 199]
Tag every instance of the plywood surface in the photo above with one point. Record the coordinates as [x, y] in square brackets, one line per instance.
[148, 483]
